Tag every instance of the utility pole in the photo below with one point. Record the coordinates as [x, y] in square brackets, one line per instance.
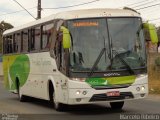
[39, 9]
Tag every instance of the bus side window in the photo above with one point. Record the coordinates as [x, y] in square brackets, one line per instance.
[9, 44]
[5, 45]
[18, 42]
[32, 39]
[46, 36]
[35, 38]
[25, 41]
[14, 44]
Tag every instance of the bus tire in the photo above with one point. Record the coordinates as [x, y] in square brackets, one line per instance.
[117, 105]
[21, 97]
[57, 106]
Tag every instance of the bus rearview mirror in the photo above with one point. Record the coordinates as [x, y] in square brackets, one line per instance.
[66, 38]
[152, 32]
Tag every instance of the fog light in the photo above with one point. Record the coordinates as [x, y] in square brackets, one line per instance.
[78, 99]
[78, 92]
[84, 92]
[138, 88]
[142, 95]
[142, 88]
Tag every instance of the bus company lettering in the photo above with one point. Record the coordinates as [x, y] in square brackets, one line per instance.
[41, 62]
[111, 74]
[81, 24]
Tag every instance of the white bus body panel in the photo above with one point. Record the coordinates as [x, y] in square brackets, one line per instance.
[41, 72]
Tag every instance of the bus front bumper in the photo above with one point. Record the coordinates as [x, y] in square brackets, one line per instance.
[91, 95]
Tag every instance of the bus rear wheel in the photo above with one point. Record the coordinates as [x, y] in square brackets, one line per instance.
[21, 97]
[117, 105]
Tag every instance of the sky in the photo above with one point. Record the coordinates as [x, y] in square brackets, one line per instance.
[9, 8]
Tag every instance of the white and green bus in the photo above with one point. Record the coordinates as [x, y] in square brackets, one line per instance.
[79, 57]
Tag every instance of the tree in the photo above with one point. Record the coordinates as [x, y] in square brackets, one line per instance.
[158, 32]
[3, 26]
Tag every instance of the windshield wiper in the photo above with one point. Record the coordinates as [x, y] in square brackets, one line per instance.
[104, 50]
[121, 59]
[97, 61]
[124, 62]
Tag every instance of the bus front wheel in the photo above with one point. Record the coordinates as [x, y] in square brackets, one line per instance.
[117, 105]
[52, 95]
[57, 106]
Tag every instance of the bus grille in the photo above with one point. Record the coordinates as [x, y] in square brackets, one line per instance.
[104, 97]
[111, 87]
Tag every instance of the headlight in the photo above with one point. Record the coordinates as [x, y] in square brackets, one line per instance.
[78, 79]
[78, 92]
[142, 88]
[141, 75]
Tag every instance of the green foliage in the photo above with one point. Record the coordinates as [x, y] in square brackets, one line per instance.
[158, 32]
[3, 26]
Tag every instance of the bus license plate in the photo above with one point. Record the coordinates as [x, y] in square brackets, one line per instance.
[113, 93]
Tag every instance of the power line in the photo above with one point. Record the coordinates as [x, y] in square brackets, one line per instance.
[78, 5]
[148, 6]
[74, 5]
[152, 11]
[154, 19]
[16, 11]
[135, 3]
[24, 9]
[144, 4]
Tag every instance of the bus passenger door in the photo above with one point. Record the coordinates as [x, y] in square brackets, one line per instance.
[61, 55]
[61, 60]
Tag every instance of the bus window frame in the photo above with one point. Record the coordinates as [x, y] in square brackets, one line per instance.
[22, 40]
[20, 51]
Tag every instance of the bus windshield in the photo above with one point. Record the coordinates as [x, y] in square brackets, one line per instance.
[106, 43]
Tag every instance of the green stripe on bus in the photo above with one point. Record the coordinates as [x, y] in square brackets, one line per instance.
[111, 81]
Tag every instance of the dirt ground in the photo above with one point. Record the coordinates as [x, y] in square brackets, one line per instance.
[153, 73]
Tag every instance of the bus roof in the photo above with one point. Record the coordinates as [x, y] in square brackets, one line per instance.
[75, 14]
